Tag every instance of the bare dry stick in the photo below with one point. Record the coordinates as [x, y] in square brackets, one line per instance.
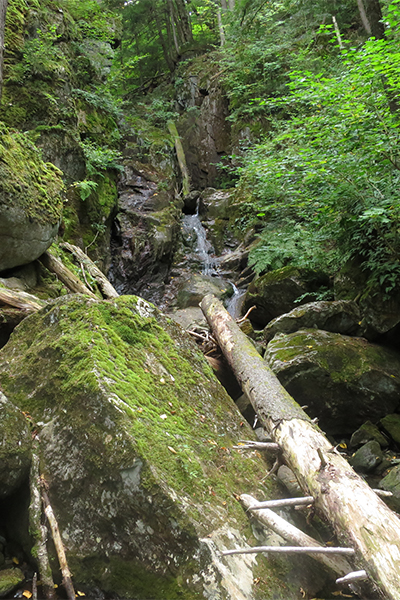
[258, 446]
[283, 502]
[291, 550]
[37, 529]
[338, 564]
[62, 559]
[352, 577]
[21, 300]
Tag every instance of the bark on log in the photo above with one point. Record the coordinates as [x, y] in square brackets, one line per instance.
[105, 286]
[59, 546]
[21, 300]
[38, 529]
[359, 517]
[73, 283]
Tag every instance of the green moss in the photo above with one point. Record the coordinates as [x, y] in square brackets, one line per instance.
[26, 181]
[150, 376]
[121, 575]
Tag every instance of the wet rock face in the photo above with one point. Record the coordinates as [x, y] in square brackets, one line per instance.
[144, 234]
[204, 128]
[344, 381]
[15, 447]
[136, 437]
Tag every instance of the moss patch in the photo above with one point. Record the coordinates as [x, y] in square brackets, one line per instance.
[26, 181]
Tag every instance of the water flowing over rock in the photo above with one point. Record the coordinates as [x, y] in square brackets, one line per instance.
[344, 381]
[136, 440]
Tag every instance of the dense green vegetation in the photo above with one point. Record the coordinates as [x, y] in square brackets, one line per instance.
[315, 84]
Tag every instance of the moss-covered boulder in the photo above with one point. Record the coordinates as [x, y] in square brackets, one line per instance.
[276, 293]
[340, 316]
[30, 201]
[344, 381]
[15, 447]
[136, 441]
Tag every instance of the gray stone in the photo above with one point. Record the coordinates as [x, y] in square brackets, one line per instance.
[22, 240]
[340, 316]
[344, 381]
[367, 458]
[368, 431]
[391, 424]
[276, 293]
[9, 579]
[391, 483]
[15, 446]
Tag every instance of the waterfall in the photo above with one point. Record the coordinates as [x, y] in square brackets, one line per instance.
[203, 248]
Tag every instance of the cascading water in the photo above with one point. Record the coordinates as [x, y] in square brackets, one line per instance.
[234, 304]
[203, 249]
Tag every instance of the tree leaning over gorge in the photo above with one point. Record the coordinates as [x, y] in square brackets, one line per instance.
[359, 517]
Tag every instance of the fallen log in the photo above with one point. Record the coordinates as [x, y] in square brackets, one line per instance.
[27, 303]
[107, 290]
[339, 564]
[358, 516]
[71, 281]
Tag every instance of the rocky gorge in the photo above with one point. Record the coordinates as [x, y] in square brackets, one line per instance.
[134, 433]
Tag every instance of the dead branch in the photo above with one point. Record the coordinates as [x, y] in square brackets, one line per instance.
[107, 290]
[71, 281]
[59, 546]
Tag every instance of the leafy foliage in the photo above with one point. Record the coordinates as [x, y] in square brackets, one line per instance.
[332, 166]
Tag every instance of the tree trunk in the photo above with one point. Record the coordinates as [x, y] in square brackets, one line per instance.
[363, 16]
[167, 56]
[375, 19]
[224, 5]
[3, 11]
[183, 19]
[181, 157]
[221, 28]
[358, 516]
[171, 25]
[231, 4]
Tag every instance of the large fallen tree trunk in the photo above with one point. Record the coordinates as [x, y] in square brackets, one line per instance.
[359, 517]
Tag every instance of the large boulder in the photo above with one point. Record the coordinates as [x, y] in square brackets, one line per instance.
[277, 292]
[15, 447]
[30, 201]
[340, 316]
[344, 381]
[380, 312]
[136, 441]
